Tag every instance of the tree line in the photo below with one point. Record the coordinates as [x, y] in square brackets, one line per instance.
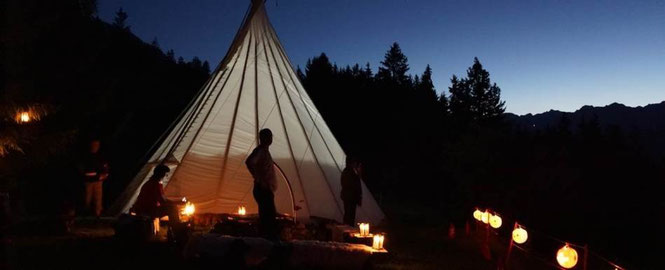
[431, 157]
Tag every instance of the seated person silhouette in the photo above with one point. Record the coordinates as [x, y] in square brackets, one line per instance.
[151, 201]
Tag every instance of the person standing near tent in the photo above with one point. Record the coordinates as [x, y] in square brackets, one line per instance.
[260, 165]
[351, 190]
[94, 169]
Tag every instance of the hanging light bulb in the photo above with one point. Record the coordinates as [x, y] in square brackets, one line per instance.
[495, 221]
[520, 235]
[566, 257]
[477, 214]
[485, 217]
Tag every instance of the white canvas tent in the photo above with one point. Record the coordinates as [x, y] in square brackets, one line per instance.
[254, 87]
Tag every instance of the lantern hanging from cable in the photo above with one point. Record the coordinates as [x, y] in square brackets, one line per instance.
[495, 221]
[478, 215]
[485, 217]
[520, 235]
[566, 257]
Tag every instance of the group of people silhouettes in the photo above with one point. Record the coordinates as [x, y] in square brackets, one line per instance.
[152, 202]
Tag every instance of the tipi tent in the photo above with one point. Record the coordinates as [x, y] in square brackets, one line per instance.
[254, 87]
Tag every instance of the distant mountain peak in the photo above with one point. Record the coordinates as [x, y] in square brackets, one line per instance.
[647, 117]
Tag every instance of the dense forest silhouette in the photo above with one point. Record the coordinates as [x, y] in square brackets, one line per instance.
[582, 177]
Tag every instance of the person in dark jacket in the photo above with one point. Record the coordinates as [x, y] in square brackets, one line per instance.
[351, 190]
[260, 165]
[151, 201]
[94, 169]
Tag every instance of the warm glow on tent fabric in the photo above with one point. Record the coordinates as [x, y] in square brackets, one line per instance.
[520, 235]
[567, 257]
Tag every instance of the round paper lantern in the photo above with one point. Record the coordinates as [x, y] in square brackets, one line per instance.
[485, 217]
[566, 257]
[477, 215]
[520, 235]
[495, 221]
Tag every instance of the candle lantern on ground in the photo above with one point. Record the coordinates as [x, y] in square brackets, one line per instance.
[23, 117]
[188, 210]
[364, 229]
[378, 241]
[242, 211]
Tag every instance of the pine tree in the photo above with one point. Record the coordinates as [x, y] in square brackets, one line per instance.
[460, 98]
[206, 67]
[444, 104]
[426, 86]
[170, 54]
[120, 19]
[155, 42]
[486, 97]
[196, 63]
[394, 67]
[181, 61]
[367, 72]
[300, 74]
[88, 7]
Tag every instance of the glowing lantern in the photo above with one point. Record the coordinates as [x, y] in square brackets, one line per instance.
[477, 215]
[377, 242]
[364, 229]
[520, 235]
[485, 217]
[23, 117]
[495, 221]
[566, 257]
[189, 209]
[241, 210]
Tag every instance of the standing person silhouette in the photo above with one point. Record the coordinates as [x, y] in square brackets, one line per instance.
[94, 169]
[351, 190]
[260, 165]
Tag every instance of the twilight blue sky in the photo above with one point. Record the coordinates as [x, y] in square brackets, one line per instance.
[544, 54]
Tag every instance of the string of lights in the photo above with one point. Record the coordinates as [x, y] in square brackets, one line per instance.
[566, 256]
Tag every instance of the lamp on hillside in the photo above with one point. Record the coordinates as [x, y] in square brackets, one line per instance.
[520, 235]
[477, 214]
[495, 221]
[566, 257]
[23, 117]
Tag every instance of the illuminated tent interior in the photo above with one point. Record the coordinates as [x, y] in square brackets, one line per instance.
[254, 87]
